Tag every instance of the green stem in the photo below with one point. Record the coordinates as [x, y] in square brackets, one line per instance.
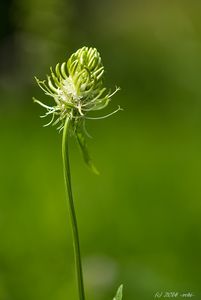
[67, 177]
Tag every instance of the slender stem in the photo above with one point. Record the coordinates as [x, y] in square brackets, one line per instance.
[67, 177]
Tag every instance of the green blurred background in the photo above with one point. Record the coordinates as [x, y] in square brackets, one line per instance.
[140, 219]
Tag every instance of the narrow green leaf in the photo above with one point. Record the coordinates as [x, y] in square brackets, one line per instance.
[83, 146]
[119, 293]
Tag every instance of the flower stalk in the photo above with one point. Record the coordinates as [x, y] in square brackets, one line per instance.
[69, 193]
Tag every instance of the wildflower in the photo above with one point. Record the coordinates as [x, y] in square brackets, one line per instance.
[76, 87]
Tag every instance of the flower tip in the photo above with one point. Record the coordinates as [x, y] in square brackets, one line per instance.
[119, 294]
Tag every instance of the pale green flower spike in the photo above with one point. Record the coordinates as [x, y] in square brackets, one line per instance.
[77, 89]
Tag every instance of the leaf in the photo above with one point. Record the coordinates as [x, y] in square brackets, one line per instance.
[119, 293]
[83, 146]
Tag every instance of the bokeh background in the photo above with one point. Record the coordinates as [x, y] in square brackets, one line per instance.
[140, 219]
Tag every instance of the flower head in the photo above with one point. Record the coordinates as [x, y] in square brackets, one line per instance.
[76, 87]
